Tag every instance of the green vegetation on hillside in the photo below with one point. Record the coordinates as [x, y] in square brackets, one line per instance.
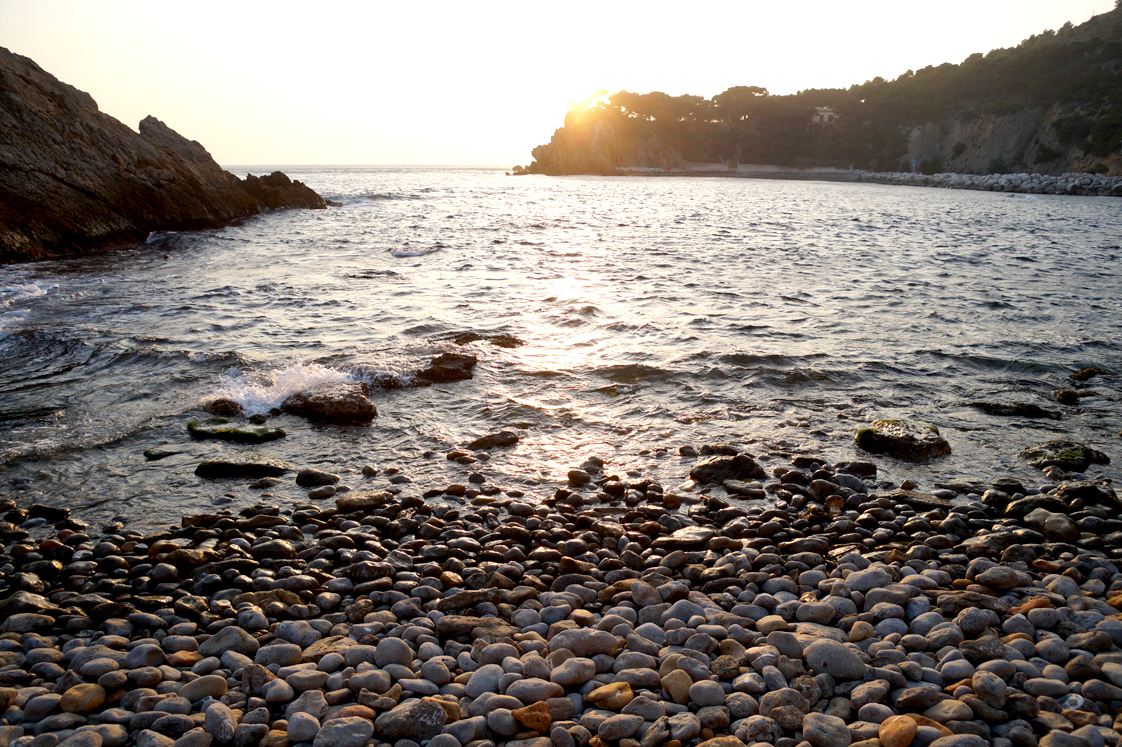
[1078, 69]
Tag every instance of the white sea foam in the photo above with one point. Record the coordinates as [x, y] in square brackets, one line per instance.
[12, 311]
[414, 252]
[262, 393]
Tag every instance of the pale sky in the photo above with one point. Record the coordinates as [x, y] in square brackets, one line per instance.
[346, 82]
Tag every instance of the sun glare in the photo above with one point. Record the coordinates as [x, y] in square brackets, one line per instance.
[599, 96]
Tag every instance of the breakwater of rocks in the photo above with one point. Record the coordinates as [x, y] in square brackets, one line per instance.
[844, 610]
[1037, 184]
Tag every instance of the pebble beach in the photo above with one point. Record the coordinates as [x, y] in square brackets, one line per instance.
[807, 604]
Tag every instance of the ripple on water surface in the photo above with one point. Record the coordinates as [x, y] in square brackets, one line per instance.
[648, 314]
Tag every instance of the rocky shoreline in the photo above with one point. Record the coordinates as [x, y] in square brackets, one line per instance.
[73, 179]
[1036, 184]
[811, 604]
[1092, 185]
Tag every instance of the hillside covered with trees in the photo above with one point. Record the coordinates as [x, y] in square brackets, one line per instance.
[1051, 104]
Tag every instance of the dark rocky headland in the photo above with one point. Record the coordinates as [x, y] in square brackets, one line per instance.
[73, 179]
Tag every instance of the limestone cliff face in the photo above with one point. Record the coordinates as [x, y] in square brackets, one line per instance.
[74, 179]
[1019, 142]
[599, 148]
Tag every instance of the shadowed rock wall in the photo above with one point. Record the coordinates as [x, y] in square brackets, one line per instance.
[74, 179]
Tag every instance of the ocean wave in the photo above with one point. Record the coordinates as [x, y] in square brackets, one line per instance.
[632, 372]
[377, 275]
[11, 296]
[258, 393]
[403, 252]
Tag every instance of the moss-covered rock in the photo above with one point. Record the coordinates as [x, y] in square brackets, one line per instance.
[242, 465]
[223, 407]
[903, 440]
[1087, 373]
[155, 454]
[222, 430]
[1066, 396]
[1067, 455]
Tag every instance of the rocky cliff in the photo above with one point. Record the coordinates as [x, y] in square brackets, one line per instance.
[1051, 105]
[599, 148]
[74, 179]
[1021, 141]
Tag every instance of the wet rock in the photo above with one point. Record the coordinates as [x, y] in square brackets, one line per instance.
[1055, 526]
[1067, 455]
[907, 441]
[718, 469]
[493, 440]
[222, 430]
[1016, 409]
[246, 465]
[337, 403]
[311, 478]
[445, 368]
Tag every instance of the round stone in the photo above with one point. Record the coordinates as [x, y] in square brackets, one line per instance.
[393, 651]
[990, 688]
[83, 698]
[211, 685]
[835, 659]
[823, 730]
[707, 693]
[611, 697]
[219, 722]
[571, 672]
[897, 731]
[619, 727]
[352, 731]
[302, 728]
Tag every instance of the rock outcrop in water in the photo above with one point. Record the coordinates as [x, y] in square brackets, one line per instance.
[74, 179]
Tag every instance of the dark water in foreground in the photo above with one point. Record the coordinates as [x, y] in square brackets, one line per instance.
[654, 312]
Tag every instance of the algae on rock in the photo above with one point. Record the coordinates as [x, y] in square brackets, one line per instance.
[903, 440]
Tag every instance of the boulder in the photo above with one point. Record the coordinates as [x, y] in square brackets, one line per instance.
[335, 403]
[445, 368]
[1016, 409]
[491, 440]
[1067, 455]
[902, 440]
[220, 429]
[245, 465]
[74, 179]
[1055, 526]
[720, 468]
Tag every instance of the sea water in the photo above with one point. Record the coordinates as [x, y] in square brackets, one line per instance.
[653, 313]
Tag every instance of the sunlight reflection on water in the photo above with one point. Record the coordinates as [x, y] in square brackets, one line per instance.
[653, 313]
